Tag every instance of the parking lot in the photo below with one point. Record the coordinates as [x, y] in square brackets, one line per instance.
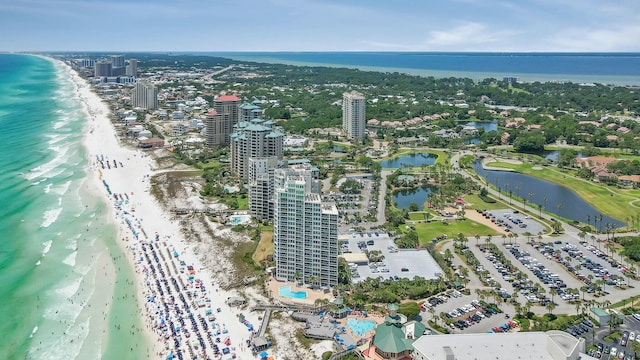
[394, 262]
[467, 313]
[513, 221]
[620, 348]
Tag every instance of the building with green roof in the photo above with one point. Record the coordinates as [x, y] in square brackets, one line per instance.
[253, 139]
[394, 338]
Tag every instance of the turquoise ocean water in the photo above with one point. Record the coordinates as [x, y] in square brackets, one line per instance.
[57, 247]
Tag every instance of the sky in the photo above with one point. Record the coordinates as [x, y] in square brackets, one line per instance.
[320, 25]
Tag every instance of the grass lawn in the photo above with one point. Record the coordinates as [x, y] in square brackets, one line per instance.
[474, 202]
[469, 228]
[265, 246]
[598, 196]
[419, 215]
[209, 165]
[243, 203]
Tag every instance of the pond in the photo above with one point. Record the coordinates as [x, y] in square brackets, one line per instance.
[404, 198]
[486, 125]
[553, 155]
[559, 199]
[410, 160]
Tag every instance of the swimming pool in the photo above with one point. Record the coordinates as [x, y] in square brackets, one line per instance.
[360, 327]
[240, 219]
[286, 292]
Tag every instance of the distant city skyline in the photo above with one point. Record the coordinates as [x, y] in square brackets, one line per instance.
[320, 25]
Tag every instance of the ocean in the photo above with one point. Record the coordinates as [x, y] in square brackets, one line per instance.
[60, 265]
[607, 68]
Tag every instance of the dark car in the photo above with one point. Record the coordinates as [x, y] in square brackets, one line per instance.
[404, 269]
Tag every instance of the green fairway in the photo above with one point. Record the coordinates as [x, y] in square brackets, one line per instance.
[469, 228]
[609, 200]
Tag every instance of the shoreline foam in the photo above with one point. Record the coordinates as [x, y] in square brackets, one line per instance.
[149, 217]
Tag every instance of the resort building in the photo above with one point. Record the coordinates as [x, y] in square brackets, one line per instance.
[305, 231]
[353, 115]
[228, 104]
[145, 96]
[249, 112]
[550, 345]
[255, 139]
[102, 69]
[261, 171]
[220, 121]
[395, 337]
[117, 61]
[132, 68]
[217, 127]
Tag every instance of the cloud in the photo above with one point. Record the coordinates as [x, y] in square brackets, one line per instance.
[615, 38]
[469, 36]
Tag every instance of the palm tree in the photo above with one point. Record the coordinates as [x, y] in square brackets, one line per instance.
[510, 195]
[578, 307]
[487, 239]
[477, 238]
[550, 307]
[545, 202]
[582, 235]
[504, 237]
[553, 292]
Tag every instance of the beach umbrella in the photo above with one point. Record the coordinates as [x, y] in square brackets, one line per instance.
[263, 355]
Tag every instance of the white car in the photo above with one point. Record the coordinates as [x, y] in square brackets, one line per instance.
[632, 336]
[636, 316]
[614, 351]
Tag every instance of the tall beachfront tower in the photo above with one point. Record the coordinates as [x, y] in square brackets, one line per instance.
[228, 104]
[260, 184]
[132, 68]
[144, 95]
[305, 231]
[217, 128]
[353, 115]
[220, 125]
[254, 139]
[117, 61]
[102, 69]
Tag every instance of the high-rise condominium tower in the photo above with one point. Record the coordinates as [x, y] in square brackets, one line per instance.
[305, 231]
[144, 95]
[353, 115]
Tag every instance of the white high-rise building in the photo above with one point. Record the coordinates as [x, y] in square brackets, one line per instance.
[132, 68]
[102, 69]
[305, 231]
[353, 115]
[144, 95]
[260, 184]
[117, 61]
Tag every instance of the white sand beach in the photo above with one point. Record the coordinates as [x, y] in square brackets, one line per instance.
[151, 239]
